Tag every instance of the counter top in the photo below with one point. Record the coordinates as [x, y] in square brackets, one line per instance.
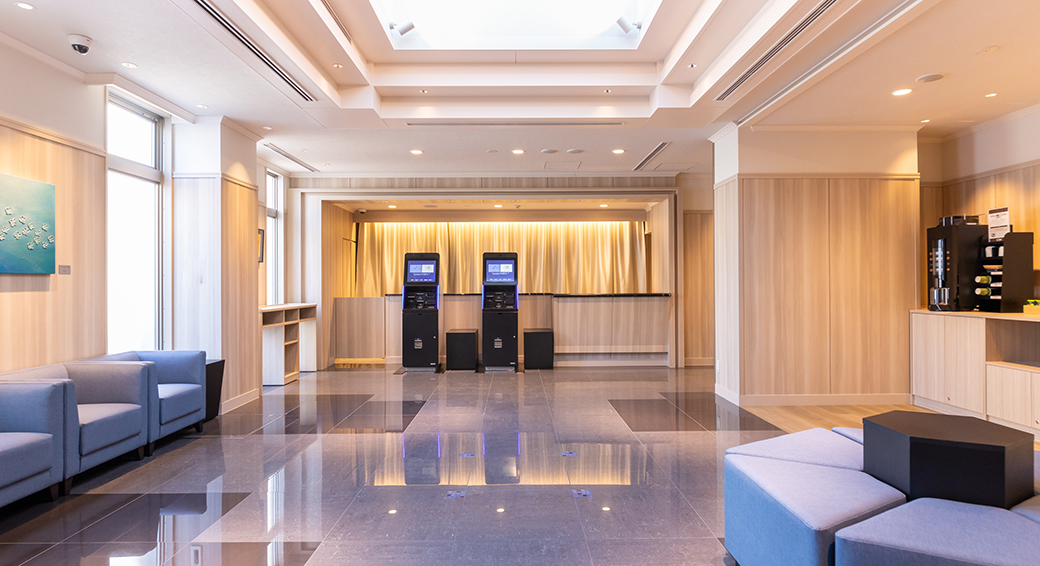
[286, 307]
[608, 295]
[987, 315]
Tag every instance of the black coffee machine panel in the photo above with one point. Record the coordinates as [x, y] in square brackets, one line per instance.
[501, 302]
[954, 259]
[420, 320]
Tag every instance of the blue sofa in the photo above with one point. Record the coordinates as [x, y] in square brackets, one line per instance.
[177, 389]
[106, 410]
[32, 438]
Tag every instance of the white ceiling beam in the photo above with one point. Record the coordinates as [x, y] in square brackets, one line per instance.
[478, 75]
[357, 61]
[705, 14]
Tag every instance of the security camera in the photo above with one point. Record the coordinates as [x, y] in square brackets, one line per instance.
[361, 211]
[80, 43]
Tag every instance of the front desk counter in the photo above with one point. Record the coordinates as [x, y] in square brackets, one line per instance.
[980, 364]
[617, 329]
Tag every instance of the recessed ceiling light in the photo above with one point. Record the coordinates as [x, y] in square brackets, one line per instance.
[268, 128]
[25, 6]
[393, 511]
[931, 78]
[500, 510]
[991, 95]
[989, 49]
[337, 66]
[423, 91]
[416, 152]
[203, 106]
[550, 150]
[606, 508]
[925, 121]
[303, 150]
[129, 65]
[692, 65]
[392, 206]
[902, 92]
[607, 91]
[603, 206]
[498, 206]
[575, 151]
[328, 164]
[492, 151]
[518, 152]
[618, 151]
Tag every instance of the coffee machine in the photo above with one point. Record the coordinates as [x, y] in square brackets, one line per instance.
[954, 259]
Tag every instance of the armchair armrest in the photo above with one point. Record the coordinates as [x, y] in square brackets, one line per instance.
[177, 366]
[32, 406]
[110, 382]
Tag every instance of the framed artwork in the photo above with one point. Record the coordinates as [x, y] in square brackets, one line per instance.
[260, 242]
[27, 231]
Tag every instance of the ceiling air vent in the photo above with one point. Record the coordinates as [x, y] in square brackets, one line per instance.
[290, 157]
[650, 156]
[791, 35]
[241, 37]
[338, 21]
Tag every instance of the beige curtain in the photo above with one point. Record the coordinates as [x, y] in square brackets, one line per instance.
[554, 257]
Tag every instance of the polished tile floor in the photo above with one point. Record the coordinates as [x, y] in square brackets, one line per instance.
[367, 466]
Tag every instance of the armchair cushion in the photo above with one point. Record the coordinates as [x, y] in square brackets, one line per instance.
[178, 399]
[24, 454]
[177, 366]
[104, 424]
[125, 382]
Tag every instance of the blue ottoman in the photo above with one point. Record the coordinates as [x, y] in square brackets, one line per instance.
[1030, 509]
[933, 532]
[814, 446]
[780, 512]
[850, 433]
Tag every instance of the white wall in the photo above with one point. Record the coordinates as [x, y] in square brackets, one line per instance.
[929, 161]
[39, 95]
[696, 190]
[1010, 140]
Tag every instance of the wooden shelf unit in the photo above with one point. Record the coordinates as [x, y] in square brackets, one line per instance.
[290, 341]
[981, 364]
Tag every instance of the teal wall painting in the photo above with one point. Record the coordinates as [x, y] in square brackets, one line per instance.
[27, 235]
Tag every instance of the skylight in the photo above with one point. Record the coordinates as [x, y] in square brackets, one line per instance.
[515, 24]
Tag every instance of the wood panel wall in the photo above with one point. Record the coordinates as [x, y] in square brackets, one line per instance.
[699, 288]
[55, 318]
[337, 265]
[727, 287]
[1018, 189]
[827, 271]
[784, 287]
[240, 318]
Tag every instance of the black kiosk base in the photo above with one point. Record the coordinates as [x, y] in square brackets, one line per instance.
[500, 303]
[420, 320]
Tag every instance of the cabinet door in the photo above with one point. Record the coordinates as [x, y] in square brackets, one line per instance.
[964, 361]
[1008, 394]
[1036, 400]
[926, 355]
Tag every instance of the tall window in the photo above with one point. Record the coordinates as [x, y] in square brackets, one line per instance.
[133, 227]
[274, 235]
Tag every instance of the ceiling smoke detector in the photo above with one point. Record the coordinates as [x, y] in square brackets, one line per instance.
[931, 78]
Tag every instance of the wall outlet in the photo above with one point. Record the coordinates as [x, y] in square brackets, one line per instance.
[64, 270]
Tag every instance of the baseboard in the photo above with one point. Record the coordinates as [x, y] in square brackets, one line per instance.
[944, 408]
[727, 394]
[393, 361]
[773, 400]
[357, 361]
[236, 402]
[699, 362]
[609, 363]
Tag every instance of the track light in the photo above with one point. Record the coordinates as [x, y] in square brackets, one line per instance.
[402, 28]
[628, 25]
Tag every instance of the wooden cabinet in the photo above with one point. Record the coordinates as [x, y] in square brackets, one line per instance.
[1009, 394]
[949, 359]
[1035, 379]
[289, 341]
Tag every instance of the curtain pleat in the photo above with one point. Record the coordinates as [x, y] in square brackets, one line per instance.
[554, 257]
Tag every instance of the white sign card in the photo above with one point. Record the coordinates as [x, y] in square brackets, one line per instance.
[999, 223]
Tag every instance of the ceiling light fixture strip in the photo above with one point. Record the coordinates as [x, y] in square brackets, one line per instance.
[290, 157]
[338, 21]
[516, 124]
[241, 37]
[787, 39]
[650, 156]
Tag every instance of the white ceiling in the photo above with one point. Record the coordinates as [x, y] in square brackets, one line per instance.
[370, 112]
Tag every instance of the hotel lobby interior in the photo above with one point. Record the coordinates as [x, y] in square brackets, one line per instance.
[589, 282]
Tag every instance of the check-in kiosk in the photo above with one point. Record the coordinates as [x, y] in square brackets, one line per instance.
[419, 315]
[500, 301]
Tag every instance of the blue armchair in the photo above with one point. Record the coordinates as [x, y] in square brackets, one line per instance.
[106, 410]
[177, 389]
[32, 438]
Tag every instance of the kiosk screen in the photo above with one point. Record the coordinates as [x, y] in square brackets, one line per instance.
[421, 271]
[500, 271]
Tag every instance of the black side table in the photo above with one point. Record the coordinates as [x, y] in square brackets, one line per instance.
[538, 348]
[214, 387]
[949, 457]
[462, 349]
